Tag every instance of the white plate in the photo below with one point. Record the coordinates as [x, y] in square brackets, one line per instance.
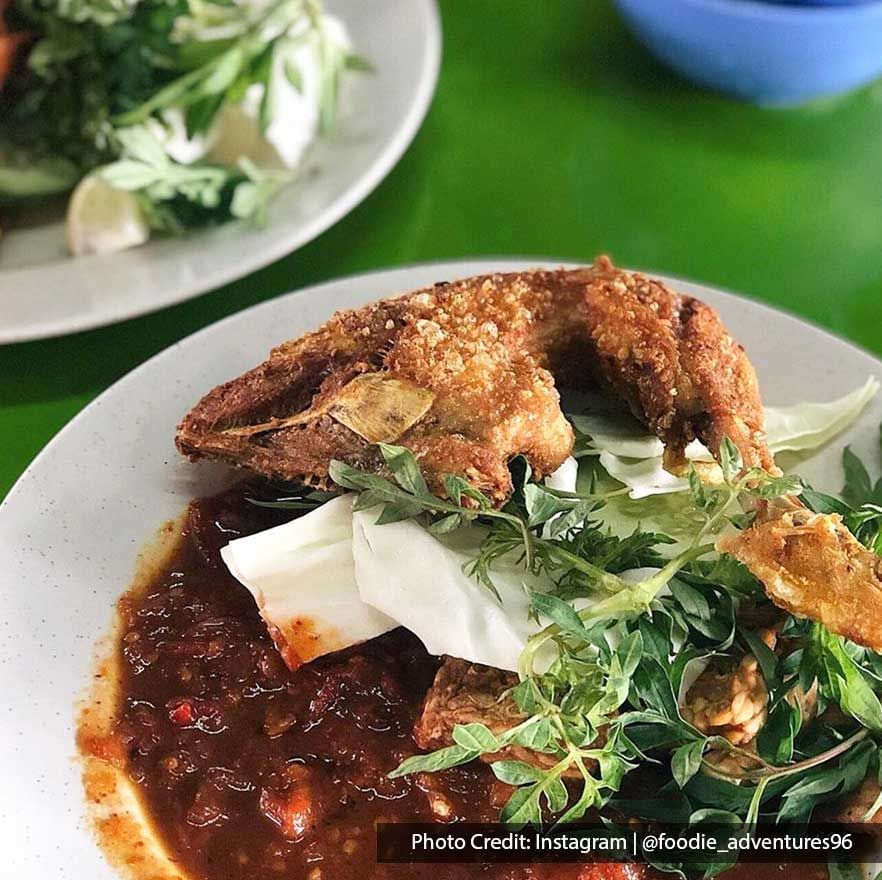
[44, 292]
[72, 526]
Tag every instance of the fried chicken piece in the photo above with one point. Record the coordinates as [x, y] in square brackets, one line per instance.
[672, 360]
[812, 566]
[462, 375]
[465, 692]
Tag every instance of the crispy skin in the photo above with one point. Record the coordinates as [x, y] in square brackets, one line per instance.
[463, 693]
[487, 348]
[812, 566]
[672, 360]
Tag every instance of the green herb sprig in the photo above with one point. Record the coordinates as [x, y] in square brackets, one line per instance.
[607, 706]
[598, 709]
[175, 196]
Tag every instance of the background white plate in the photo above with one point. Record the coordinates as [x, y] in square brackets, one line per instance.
[72, 526]
[44, 292]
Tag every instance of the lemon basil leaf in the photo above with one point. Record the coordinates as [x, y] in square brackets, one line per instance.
[731, 461]
[686, 761]
[562, 613]
[858, 487]
[452, 756]
[775, 739]
[404, 468]
[819, 502]
[475, 737]
[515, 772]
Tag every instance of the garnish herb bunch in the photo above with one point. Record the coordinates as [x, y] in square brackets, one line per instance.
[101, 76]
[609, 704]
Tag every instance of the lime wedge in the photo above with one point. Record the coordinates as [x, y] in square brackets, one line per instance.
[102, 219]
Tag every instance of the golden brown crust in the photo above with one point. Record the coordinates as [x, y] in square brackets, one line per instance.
[812, 566]
[463, 693]
[488, 348]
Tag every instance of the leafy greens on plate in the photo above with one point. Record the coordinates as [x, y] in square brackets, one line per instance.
[611, 705]
[199, 108]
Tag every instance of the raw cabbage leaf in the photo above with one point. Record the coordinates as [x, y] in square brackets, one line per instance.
[634, 457]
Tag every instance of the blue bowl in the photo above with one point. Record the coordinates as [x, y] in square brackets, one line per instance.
[769, 53]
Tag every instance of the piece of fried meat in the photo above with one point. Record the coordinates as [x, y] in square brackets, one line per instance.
[464, 375]
[812, 566]
[466, 693]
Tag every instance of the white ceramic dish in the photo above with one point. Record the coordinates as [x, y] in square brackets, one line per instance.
[44, 292]
[71, 528]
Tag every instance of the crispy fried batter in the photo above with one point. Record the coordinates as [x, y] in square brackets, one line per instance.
[812, 566]
[486, 349]
[462, 374]
[463, 693]
[670, 357]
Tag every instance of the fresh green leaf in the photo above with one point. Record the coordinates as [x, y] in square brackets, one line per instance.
[452, 756]
[475, 737]
[841, 679]
[691, 600]
[653, 688]
[542, 505]
[515, 772]
[630, 653]
[776, 738]
[446, 524]
[97, 68]
[556, 795]
[858, 488]
[562, 613]
[404, 468]
[686, 761]
[535, 735]
[821, 503]
[523, 807]
[766, 658]
[731, 461]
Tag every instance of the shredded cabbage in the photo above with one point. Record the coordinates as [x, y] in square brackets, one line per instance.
[634, 457]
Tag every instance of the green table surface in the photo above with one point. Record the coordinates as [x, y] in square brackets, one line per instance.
[553, 134]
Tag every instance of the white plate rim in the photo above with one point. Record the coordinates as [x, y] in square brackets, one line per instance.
[358, 191]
